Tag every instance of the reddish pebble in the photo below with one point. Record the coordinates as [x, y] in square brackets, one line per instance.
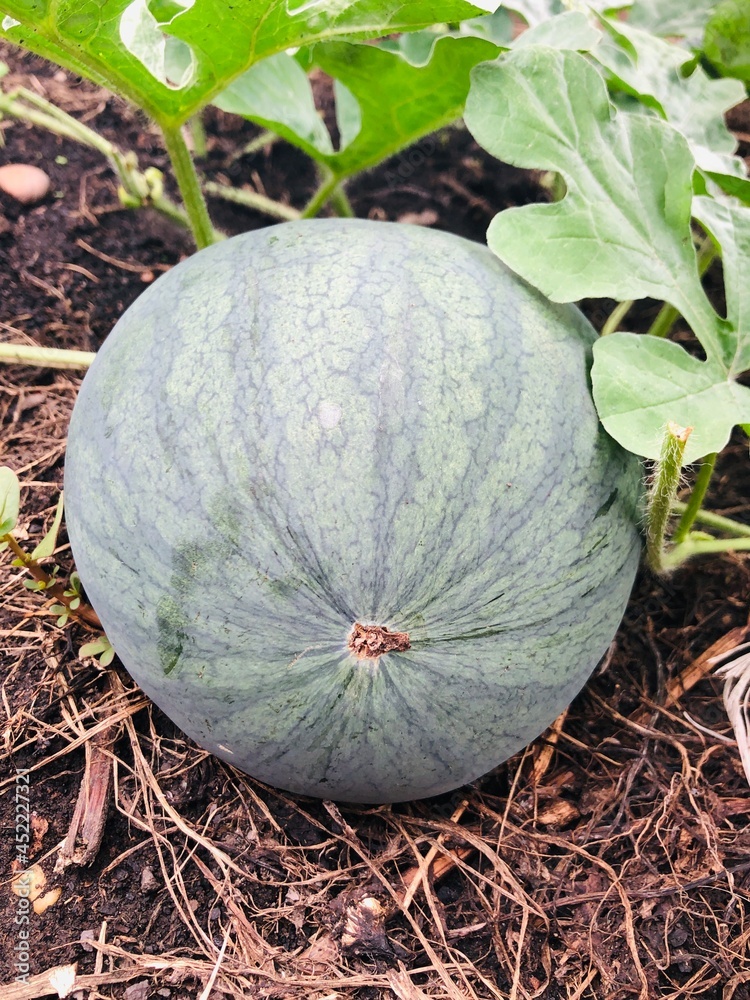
[23, 182]
[147, 277]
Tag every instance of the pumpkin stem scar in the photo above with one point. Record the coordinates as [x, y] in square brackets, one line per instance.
[371, 641]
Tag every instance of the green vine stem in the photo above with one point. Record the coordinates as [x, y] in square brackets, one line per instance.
[255, 145]
[662, 493]
[189, 185]
[45, 357]
[616, 317]
[716, 521]
[251, 199]
[698, 495]
[330, 190]
[320, 197]
[702, 547]
[341, 203]
[198, 135]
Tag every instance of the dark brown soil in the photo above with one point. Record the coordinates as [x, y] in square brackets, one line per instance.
[610, 859]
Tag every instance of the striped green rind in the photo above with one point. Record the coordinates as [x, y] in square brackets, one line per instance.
[341, 421]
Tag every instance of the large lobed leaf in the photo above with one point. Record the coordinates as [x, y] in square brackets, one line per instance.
[395, 101]
[128, 45]
[671, 17]
[642, 383]
[663, 77]
[623, 230]
[388, 96]
[726, 43]
[628, 180]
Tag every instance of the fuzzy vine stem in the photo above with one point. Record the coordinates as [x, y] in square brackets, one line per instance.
[664, 555]
[698, 495]
[189, 185]
[662, 493]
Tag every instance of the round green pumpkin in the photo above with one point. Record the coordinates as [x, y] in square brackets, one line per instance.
[339, 494]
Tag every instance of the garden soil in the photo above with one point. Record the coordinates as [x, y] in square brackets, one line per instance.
[611, 859]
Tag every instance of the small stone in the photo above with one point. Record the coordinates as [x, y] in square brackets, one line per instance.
[86, 938]
[138, 991]
[24, 182]
[148, 880]
[428, 217]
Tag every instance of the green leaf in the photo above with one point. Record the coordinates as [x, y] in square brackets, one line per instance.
[651, 69]
[730, 228]
[623, 229]
[95, 647]
[536, 12]
[726, 44]
[348, 114]
[566, 30]
[728, 174]
[101, 648]
[570, 30]
[49, 543]
[683, 18]
[10, 499]
[497, 28]
[377, 78]
[107, 656]
[74, 585]
[132, 46]
[277, 95]
[640, 383]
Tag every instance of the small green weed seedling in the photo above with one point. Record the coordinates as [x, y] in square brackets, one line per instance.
[69, 598]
